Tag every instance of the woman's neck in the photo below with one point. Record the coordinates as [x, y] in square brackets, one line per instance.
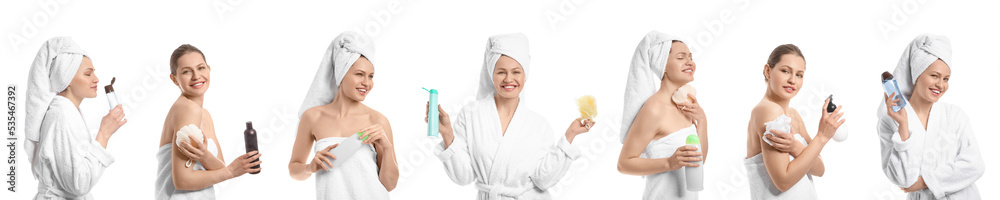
[72, 98]
[773, 97]
[506, 105]
[343, 106]
[668, 88]
[921, 107]
[200, 100]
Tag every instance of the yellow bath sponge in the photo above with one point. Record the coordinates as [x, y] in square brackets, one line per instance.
[588, 107]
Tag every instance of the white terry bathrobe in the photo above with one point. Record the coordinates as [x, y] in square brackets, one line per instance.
[65, 158]
[523, 163]
[645, 73]
[357, 177]
[946, 154]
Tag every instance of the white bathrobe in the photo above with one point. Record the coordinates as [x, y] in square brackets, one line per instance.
[522, 164]
[946, 154]
[68, 161]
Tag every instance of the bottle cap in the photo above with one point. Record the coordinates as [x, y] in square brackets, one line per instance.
[359, 135]
[432, 91]
[108, 88]
[693, 139]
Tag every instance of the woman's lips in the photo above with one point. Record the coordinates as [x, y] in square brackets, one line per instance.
[935, 92]
[362, 91]
[508, 87]
[689, 71]
[789, 89]
[197, 85]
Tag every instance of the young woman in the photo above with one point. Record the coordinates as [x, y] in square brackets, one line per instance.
[656, 127]
[190, 168]
[496, 141]
[783, 168]
[928, 147]
[65, 159]
[331, 113]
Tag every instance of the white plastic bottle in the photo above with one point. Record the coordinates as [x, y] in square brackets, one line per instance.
[695, 176]
[112, 96]
[347, 148]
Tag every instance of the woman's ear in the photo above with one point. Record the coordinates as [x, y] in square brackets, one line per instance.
[173, 78]
[767, 72]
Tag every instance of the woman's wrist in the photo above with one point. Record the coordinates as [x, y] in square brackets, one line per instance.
[570, 136]
[103, 137]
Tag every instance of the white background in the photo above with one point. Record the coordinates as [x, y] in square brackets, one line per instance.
[264, 54]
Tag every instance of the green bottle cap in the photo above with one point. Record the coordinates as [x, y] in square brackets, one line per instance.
[693, 139]
[359, 135]
[432, 91]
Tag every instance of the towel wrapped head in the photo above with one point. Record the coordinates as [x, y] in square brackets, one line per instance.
[513, 45]
[645, 73]
[343, 51]
[55, 64]
[919, 54]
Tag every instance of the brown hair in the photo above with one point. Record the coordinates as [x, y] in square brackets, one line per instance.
[180, 51]
[781, 50]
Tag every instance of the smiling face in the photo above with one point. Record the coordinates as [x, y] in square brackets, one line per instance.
[358, 81]
[785, 78]
[84, 83]
[933, 82]
[680, 64]
[192, 75]
[508, 77]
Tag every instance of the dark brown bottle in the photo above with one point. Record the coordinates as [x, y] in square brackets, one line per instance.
[250, 137]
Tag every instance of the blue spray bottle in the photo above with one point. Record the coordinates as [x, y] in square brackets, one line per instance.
[432, 114]
[891, 87]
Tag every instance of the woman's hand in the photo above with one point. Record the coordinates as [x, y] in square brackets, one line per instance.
[243, 164]
[374, 134]
[322, 159]
[683, 158]
[200, 153]
[110, 124]
[578, 127]
[785, 142]
[899, 117]
[829, 122]
[692, 110]
[444, 126]
[919, 185]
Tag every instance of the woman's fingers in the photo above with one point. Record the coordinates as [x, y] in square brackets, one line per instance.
[254, 154]
[184, 149]
[774, 131]
[441, 112]
[324, 162]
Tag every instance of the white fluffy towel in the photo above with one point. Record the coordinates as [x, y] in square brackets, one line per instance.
[644, 74]
[54, 66]
[919, 55]
[345, 49]
[514, 45]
